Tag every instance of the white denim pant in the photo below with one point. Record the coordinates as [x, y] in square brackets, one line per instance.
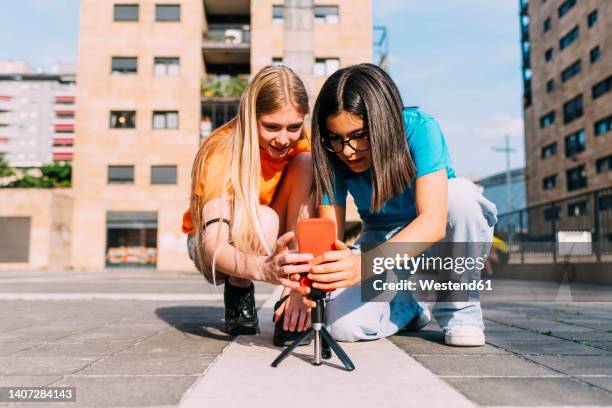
[471, 218]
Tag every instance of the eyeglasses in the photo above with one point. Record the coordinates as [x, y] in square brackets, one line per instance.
[360, 143]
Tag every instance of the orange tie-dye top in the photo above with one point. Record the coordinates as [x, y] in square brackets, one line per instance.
[272, 171]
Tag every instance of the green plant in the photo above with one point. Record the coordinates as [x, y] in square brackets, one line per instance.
[5, 169]
[224, 87]
[53, 175]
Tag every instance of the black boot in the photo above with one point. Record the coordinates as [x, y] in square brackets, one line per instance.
[240, 312]
[285, 338]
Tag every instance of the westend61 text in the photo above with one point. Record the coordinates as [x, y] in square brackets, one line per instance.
[431, 284]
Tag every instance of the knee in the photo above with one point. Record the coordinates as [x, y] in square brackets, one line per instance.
[463, 205]
[301, 166]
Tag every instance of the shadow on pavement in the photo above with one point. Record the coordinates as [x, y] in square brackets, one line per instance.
[204, 321]
[435, 336]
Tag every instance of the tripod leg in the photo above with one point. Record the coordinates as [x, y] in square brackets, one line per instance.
[292, 347]
[325, 350]
[338, 350]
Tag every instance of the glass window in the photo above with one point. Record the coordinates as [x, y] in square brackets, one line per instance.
[326, 66]
[575, 143]
[326, 15]
[592, 18]
[549, 182]
[276, 61]
[595, 54]
[131, 238]
[165, 120]
[576, 178]
[124, 65]
[603, 126]
[123, 119]
[549, 150]
[278, 14]
[577, 209]
[602, 87]
[166, 66]
[547, 24]
[604, 164]
[565, 7]
[547, 120]
[120, 174]
[167, 12]
[571, 71]
[550, 85]
[569, 38]
[163, 174]
[605, 202]
[549, 55]
[573, 109]
[552, 213]
[125, 12]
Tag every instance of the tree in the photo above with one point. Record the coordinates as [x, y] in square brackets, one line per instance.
[5, 169]
[53, 175]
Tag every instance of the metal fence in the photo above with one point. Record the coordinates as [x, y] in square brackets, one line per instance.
[588, 214]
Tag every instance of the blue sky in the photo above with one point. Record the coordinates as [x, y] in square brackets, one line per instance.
[457, 59]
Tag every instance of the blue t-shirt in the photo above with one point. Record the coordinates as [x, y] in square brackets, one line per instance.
[429, 154]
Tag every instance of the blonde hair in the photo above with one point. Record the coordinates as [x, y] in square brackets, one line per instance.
[230, 168]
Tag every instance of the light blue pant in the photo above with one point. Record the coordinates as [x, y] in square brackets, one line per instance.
[471, 218]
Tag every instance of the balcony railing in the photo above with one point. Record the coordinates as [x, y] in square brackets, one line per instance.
[227, 36]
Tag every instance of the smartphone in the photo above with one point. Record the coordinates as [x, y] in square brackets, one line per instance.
[315, 236]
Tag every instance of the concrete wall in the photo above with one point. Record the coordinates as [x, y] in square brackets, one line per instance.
[50, 211]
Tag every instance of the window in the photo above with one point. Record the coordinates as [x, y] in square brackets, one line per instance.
[595, 54]
[167, 12]
[326, 15]
[575, 143]
[569, 38]
[549, 150]
[577, 209]
[547, 120]
[603, 126]
[123, 119]
[573, 109]
[278, 14]
[124, 65]
[552, 213]
[592, 18]
[276, 61]
[605, 202]
[120, 174]
[604, 164]
[602, 87]
[166, 66]
[576, 178]
[571, 71]
[550, 85]
[326, 66]
[163, 174]
[15, 239]
[565, 7]
[549, 55]
[547, 24]
[549, 182]
[165, 120]
[125, 12]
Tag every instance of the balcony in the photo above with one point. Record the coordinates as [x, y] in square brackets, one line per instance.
[224, 7]
[225, 44]
[63, 141]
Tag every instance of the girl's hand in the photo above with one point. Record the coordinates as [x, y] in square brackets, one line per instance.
[278, 267]
[297, 313]
[336, 269]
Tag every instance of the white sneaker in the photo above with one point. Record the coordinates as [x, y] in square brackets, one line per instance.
[464, 336]
[419, 321]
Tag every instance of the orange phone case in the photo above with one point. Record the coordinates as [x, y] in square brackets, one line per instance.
[315, 236]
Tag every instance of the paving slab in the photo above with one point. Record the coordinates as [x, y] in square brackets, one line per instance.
[532, 391]
[384, 376]
[483, 365]
[578, 365]
[28, 380]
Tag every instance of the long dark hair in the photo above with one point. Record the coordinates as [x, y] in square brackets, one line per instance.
[369, 92]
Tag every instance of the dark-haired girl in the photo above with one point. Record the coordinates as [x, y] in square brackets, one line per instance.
[395, 163]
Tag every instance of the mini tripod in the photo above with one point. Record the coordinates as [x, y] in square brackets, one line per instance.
[322, 339]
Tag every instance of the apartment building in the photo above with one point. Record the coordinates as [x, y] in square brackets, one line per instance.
[155, 78]
[567, 74]
[36, 114]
